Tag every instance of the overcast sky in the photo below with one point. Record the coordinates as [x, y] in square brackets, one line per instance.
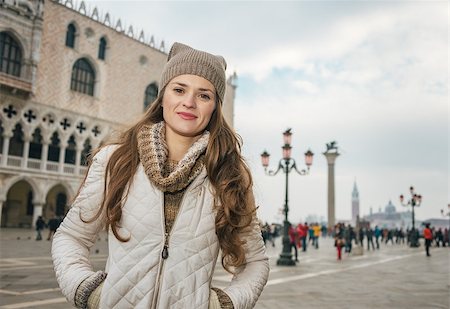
[372, 75]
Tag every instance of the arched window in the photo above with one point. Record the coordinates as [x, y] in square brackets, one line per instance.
[35, 145]
[83, 77]
[53, 148]
[151, 92]
[102, 49]
[10, 55]
[71, 150]
[61, 201]
[16, 142]
[70, 35]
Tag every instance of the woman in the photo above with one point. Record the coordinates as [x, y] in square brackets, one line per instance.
[172, 192]
[339, 241]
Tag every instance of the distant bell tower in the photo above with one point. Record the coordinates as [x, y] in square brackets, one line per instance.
[355, 203]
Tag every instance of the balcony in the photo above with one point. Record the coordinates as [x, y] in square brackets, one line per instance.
[34, 165]
[15, 82]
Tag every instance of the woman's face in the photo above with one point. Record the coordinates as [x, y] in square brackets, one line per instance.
[188, 103]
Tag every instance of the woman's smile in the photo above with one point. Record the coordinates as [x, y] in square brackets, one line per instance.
[187, 116]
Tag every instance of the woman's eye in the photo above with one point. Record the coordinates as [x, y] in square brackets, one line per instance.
[205, 96]
[179, 90]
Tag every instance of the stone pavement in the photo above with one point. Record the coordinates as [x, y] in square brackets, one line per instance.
[393, 277]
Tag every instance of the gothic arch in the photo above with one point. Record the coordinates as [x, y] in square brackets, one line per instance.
[76, 33]
[18, 209]
[9, 183]
[55, 194]
[24, 48]
[92, 62]
[103, 46]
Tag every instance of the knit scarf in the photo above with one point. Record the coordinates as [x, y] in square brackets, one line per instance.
[153, 154]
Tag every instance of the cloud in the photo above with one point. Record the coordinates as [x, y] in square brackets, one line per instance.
[392, 37]
[372, 75]
[306, 86]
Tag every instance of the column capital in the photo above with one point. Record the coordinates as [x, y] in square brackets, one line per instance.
[79, 148]
[46, 141]
[27, 138]
[7, 134]
[331, 157]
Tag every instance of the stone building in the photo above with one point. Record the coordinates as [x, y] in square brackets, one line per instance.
[390, 218]
[68, 79]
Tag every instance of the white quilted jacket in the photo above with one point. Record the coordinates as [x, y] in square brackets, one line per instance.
[138, 277]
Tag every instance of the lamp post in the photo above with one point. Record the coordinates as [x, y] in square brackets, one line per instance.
[287, 165]
[414, 201]
[447, 215]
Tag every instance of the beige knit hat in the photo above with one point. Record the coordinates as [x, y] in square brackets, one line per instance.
[183, 59]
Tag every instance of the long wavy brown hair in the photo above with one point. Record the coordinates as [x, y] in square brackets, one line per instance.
[227, 172]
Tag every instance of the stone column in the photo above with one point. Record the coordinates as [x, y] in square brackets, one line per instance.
[44, 155]
[1, 209]
[6, 139]
[36, 212]
[62, 155]
[26, 150]
[331, 158]
[79, 149]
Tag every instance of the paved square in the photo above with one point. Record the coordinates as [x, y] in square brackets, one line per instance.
[395, 276]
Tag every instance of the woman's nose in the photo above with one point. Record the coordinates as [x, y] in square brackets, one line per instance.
[189, 101]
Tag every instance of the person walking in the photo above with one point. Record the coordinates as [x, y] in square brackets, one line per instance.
[316, 229]
[305, 233]
[439, 238]
[446, 237]
[428, 236]
[172, 192]
[349, 236]
[369, 236]
[402, 236]
[389, 236]
[53, 225]
[300, 233]
[377, 234]
[361, 236]
[40, 225]
[293, 238]
[311, 235]
[339, 239]
[273, 233]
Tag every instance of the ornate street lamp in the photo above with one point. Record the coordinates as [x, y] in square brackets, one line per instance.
[447, 215]
[414, 201]
[287, 165]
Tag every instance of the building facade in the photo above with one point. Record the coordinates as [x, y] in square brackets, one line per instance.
[69, 79]
[390, 218]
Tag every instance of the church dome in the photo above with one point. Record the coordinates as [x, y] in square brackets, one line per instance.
[390, 208]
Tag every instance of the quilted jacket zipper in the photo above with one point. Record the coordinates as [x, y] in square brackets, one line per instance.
[160, 269]
[165, 249]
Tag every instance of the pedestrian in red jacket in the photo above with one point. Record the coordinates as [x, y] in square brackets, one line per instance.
[428, 235]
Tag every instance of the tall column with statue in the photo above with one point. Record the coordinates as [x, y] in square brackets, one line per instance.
[331, 154]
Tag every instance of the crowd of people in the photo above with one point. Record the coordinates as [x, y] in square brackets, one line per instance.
[346, 236]
[371, 238]
[52, 225]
